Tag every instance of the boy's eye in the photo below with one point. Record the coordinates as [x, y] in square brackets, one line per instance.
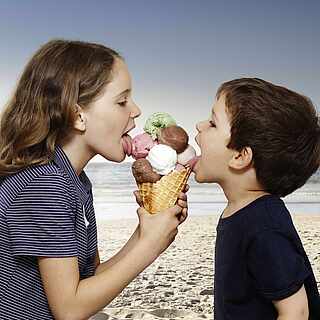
[212, 124]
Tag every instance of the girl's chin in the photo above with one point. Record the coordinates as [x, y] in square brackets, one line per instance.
[114, 156]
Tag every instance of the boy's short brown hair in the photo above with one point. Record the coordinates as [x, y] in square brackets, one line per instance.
[281, 127]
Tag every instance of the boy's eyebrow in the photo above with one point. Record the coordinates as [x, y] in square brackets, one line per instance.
[122, 93]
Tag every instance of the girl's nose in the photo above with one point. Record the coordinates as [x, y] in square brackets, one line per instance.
[136, 112]
[200, 125]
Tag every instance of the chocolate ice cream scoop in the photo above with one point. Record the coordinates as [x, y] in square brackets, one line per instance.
[175, 137]
[143, 172]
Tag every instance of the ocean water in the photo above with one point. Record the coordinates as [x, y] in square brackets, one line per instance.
[113, 186]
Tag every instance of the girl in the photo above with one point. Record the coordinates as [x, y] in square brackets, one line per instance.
[73, 101]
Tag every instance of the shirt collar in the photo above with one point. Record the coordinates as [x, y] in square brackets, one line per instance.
[81, 182]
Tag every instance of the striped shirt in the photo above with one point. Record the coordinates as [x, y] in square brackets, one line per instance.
[45, 211]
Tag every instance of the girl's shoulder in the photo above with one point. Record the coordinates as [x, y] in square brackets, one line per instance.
[33, 180]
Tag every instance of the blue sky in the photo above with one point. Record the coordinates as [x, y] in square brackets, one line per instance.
[178, 52]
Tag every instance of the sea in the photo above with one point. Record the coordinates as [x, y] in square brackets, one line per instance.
[113, 186]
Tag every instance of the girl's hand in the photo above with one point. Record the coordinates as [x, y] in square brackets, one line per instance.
[158, 231]
[181, 202]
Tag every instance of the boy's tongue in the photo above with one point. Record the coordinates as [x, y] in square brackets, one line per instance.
[127, 144]
[193, 161]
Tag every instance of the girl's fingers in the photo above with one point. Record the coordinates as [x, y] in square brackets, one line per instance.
[182, 196]
[182, 203]
[184, 215]
[138, 198]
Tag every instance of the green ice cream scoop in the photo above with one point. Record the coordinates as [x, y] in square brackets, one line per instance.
[157, 121]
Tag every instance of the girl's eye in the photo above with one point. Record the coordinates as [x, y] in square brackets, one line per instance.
[122, 103]
[212, 124]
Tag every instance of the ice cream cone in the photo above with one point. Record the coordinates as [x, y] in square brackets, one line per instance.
[163, 194]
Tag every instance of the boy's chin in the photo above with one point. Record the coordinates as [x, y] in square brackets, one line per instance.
[202, 178]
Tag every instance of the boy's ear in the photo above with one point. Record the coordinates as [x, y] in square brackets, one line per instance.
[241, 159]
[79, 119]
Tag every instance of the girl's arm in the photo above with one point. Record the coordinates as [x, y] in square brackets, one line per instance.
[71, 298]
[125, 249]
[182, 202]
[294, 307]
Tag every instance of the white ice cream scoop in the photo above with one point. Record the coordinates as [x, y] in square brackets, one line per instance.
[162, 158]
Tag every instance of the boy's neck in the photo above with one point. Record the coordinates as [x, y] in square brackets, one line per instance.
[239, 197]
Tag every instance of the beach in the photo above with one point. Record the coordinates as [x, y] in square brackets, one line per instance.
[179, 284]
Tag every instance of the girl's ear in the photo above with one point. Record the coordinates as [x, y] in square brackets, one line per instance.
[80, 119]
[241, 159]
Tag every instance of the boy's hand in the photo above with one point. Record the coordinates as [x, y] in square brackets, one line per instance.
[294, 307]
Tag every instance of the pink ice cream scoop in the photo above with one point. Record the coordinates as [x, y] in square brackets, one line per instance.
[186, 155]
[141, 145]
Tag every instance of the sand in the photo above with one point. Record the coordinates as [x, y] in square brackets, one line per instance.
[179, 285]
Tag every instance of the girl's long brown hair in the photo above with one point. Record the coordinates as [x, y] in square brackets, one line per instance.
[60, 75]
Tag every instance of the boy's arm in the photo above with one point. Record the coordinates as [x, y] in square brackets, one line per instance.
[294, 307]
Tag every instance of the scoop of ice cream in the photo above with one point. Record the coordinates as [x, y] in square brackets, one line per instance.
[179, 167]
[162, 158]
[157, 121]
[141, 145]
[143, 172]
[175, 137]
[186, 155]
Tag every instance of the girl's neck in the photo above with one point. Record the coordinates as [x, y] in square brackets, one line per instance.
[78, 155]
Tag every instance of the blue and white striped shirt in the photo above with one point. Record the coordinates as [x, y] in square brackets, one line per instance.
[45, 211]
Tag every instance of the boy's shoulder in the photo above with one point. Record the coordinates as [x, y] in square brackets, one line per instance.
[267, 213]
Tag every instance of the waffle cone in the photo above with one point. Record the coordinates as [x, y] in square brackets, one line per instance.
[163, 194]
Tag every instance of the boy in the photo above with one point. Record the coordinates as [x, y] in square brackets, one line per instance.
[261, 143]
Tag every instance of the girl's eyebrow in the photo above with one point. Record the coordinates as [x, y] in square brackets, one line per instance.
[214, 115]
[127, 91]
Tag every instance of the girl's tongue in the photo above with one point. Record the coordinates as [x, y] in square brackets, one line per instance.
[127, 144]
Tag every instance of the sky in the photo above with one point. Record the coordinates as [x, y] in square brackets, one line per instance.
[178, 52]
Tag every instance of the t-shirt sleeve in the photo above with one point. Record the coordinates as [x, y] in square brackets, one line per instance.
[277, 269]
[40, 220]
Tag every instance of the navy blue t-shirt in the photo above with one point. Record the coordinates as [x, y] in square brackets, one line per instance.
[45, 211]
[259, 258]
